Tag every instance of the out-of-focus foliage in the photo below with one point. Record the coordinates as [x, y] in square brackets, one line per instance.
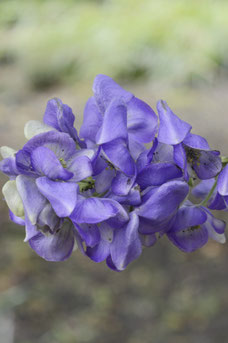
[55, 40]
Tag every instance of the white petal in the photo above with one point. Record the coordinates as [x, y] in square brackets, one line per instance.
[7, 152]
[13, 198]
[34, 127]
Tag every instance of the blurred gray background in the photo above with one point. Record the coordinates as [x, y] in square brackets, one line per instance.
[174, 50]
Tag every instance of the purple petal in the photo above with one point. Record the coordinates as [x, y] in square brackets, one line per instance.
[62, 195]
[46, 163]
[60, 117]
[196, 142]
[172, 129]
[164, 201]
[102, 250]
[118, 154]
[60, 143]
[158, 173]
[106, 89]
[148, 240]
[81, 168]
[188, 216]
[94, 210]
[136, 148]
[32, 199]
[8, 166]
[217, 202]
[122, 184]
[89, 233]
[203, 188]
[15, 219]
[48, 217]
[223, 182]
[141, 121]
[23, 163]
[121, 217]
[114, 123]
[54, 247]
[104, 180]
[208, 165]
[180, 159]
[92, 121]
[30, 229]
[126, 245]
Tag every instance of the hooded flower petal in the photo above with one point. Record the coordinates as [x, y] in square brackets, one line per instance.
[46, 163]
[196, 142]
[158, 173]
[89, 233]
[106, 89]
[141, 121]
[126, 245]
[56, 246]
[8, 166]
[61, 195]
[60, 117]
[114, 123]
[32, 199]
[172, 130]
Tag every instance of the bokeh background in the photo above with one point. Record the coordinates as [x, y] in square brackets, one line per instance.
[176, 50]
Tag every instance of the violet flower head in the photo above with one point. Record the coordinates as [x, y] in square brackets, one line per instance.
[118, 186]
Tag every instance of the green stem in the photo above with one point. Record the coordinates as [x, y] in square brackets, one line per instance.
[205, 201]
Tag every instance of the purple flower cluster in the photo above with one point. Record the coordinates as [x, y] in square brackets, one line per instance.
[123, 182]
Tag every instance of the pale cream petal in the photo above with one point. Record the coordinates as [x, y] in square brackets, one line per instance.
[13, 198]
[35, 127]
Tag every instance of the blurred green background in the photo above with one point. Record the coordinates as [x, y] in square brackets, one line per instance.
[175, 50]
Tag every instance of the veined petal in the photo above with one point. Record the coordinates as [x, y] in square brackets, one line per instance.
[142, 121]
[188, 232]
[60, 117]
[172, 129]
[48, 217]
[81, 168]
[32, 199]
[158, 173]
[118, 154]
[104, 179]
[203, 188]
[89, 233]
[164, 201]
[13, 198]
[93, 210]
[223, 182]
[35, 127]
[106, 89]
[122, 184]
[126, 245]
[114, 123]
[8, 166]
[92, 120]
[196, 142]
[121, 217]
[208, 165]
[46, 163]
[60, 143]
[61, 195]
[54, 247]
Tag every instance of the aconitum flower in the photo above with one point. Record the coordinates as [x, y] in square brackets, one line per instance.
[119, 187]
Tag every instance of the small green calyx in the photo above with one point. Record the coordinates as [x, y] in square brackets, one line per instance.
[62, 161]
[86, 184]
